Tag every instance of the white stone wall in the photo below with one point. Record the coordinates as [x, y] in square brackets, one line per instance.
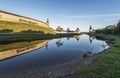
[20, 19]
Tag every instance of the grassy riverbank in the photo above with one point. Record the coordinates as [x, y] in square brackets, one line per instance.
[8, 38]
[18, 32]
[105, 65]
[12, 27]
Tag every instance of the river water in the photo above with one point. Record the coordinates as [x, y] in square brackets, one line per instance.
[54, 52]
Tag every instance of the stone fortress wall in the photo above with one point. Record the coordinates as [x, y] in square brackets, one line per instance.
[6, 16]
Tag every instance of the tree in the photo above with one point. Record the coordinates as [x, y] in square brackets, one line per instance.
[59, 28]
[111, 29]
[68, 29]
[118, 26]
[6, 31]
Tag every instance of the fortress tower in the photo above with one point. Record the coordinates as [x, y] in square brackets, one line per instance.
[47, 21]
[91, 29]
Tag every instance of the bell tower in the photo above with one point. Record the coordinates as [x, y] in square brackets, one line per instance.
[90, 29]
[47, 21]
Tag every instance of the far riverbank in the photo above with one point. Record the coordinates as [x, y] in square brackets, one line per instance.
[21, 37]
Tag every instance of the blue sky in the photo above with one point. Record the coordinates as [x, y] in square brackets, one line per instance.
[67, 13]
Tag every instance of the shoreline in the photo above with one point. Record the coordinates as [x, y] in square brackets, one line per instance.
[18, 37]
[59, 71]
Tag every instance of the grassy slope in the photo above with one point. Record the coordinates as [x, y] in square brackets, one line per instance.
[18, 27]
[106, 65]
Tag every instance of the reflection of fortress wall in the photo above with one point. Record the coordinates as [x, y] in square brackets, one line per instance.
[6, 16]
[15, 52]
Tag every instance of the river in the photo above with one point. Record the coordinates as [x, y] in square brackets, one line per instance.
[50, 53]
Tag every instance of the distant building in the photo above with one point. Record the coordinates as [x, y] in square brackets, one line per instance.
[77, 31]
[59, 29]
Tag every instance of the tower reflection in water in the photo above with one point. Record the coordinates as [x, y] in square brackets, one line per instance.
[91, 38]
[89, 52]
[46, 45]
[77, 37]
[59, 43]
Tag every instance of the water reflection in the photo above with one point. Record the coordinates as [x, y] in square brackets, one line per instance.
[104, 46]
[77, 37]
[91, 38]
[68, 38]
[46, 45]
[90, 48]
[59, 43]
[47, 54]
[15, 51]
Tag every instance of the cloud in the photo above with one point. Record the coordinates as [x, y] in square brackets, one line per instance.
[91, 16]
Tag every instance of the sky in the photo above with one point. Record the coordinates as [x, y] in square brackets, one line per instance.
[67, 13]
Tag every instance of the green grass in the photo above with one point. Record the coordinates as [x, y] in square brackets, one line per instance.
[11, 38]
[18, 27]
[19, 37]
[105, 65]
[18, 45]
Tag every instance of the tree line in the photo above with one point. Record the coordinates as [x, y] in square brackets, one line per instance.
[111, 29]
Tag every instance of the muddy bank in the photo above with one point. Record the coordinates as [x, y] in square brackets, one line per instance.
[52, 72]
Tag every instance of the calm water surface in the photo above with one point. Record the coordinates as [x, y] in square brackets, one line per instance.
[56, 52]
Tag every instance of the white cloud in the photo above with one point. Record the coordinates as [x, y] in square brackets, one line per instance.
[91, 16]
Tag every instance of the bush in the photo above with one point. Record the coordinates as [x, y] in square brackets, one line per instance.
[6, 31]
